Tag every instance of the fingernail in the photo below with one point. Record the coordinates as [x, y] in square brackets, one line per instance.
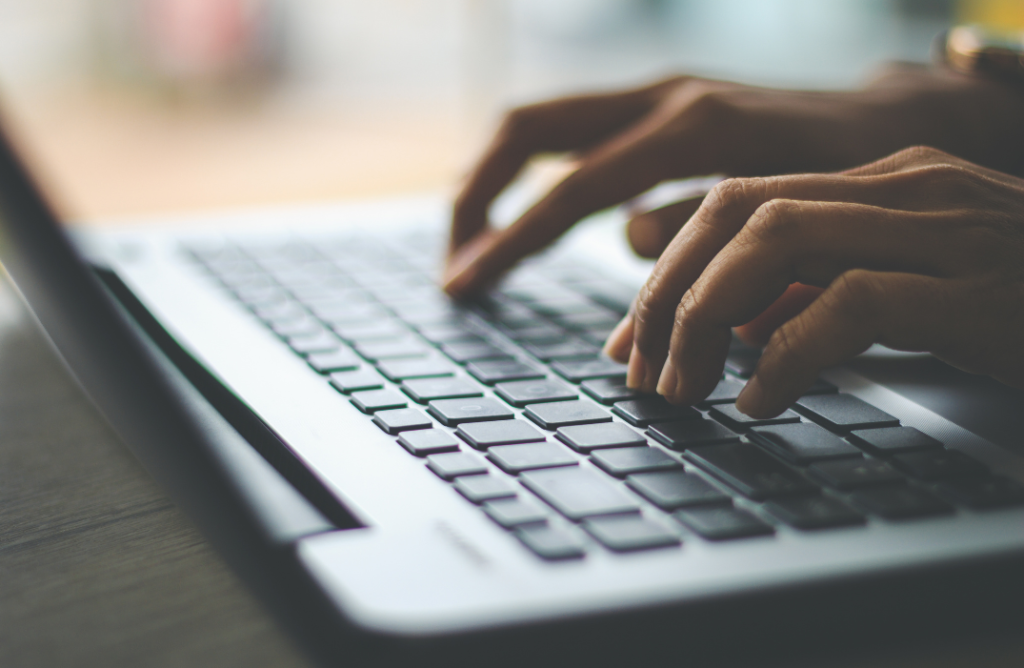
[668, 381]
[751, 398]
[637, 371]
[617, 344]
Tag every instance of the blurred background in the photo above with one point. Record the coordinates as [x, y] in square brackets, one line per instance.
[139, 106]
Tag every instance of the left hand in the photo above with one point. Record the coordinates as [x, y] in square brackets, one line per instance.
[919, 251]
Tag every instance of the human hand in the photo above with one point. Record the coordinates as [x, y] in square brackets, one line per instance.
[629, 141]
[919, 251]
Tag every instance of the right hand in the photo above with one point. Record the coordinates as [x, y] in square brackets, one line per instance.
[629, 141]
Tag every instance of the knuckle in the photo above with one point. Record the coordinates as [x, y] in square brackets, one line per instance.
[776, 219]
[918, 155]
[856, 293]
[731, 194]
[520, 121]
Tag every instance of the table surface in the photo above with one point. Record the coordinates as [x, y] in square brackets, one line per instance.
[97, 567]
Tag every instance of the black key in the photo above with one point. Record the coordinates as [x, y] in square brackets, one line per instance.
[355, 381]
[750, 470]
[645, 411]
[512, 513]
[821, 387]
[609, 390]
[529, 456]
[726, 392]
[523, 392]
[939, 465]
[324, 342]
[565, 413]
[630, 533]
[803, 443]
[550, 543]
[587, 437]
[406, 369]
[378, 400]
[843, 412]
[589, 320]
[449, 334]
[428, 389]
[375, 351]
[854, 473]
[373, 330]
[339, 360]
[496, 371]
[451, 465]
[814, 512]
[470, 351]
[892, 440]
[691, 433]
[621, 462]
[742, 359]
[675, 489]
[983, 493]
[578, 493]
[730, 416]
[480, 488]
[596, 335]
[564, 349]
[897, 503]
[576, 371]
[535, 331]
[424, 442]
[482, 435]
[723, 523]
[453, 412]
[401, 419]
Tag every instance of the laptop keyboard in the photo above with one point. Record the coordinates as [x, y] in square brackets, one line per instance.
[509, 400]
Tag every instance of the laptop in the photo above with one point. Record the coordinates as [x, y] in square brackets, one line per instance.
[403, 478]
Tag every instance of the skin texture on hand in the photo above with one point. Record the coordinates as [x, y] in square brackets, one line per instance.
[920, 251]
[629, 141]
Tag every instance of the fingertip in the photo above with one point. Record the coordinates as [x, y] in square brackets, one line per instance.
[668, 381]
[751, 399]
[620, 341]
[637, 370]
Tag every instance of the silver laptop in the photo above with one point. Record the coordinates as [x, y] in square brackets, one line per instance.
[420, 480]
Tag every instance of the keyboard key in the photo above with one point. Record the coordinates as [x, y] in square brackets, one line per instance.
[564, 349]
[355, 381]
[529, 456]
[373, 330]
[726, 392]
[892, 440]
[428, 389]
[512, 513]
[589, 320]
[730, 416]
[453, 412]
[742, 359]
[578, 493]
[676, 489]
[323, 342]
[535, 331]
[645, 411]
[482, 435]
[450, 465]
[608, 390]
[691, 433]
[480, 488]
[496, 371]
[565, 413]
[576, 371]
[803, 443]
[339, 360]
[438, 334]
[596, 335]
[983, 493]
[375, 351]
[523, 392]
[750, 470]
[843, 412]
[550, 543]
[423, 442]
[814, 512]
[723, 523]
[406, 369]
[378, 400]
[587, 437]
[821, 387]
[939, 465]
[897, 503]
[401, 419]
[630, 533]
[470, 351]
[307, 326]
[621, 462]
[855, 473]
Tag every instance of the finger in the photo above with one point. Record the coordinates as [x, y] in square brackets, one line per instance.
[902, 311]
[651, 232]
[795, 299]
[560, 125]
[620, 341]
